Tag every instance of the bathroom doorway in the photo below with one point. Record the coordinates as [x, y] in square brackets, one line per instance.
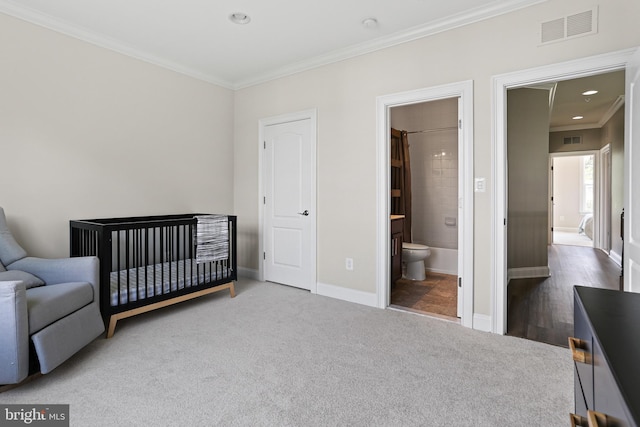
[426, 200]
[463, 93]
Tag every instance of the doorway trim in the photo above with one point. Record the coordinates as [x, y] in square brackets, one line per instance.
[604, 181]
[312, 115]
[500, 84]
[463, 91]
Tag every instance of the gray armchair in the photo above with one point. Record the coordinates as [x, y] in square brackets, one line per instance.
[49, 309]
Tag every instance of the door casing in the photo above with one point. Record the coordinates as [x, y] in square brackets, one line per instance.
[597, 192]
[463, 91]
[584, 67]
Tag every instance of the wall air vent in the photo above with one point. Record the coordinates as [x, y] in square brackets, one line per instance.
[567, 140]
[553, 30]
[570, 26]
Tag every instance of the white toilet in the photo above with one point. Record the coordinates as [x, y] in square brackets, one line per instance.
[414, 255]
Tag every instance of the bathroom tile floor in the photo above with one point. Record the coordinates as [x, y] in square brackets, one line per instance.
[437, 294]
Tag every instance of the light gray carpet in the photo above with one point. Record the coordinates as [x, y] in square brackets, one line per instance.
[279, 356]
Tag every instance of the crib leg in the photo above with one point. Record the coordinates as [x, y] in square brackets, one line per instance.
[112, 326]
[232, 289]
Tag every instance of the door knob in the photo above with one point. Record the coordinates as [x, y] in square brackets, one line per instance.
[305, 213]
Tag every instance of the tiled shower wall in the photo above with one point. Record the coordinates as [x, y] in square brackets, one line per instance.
[434, 170]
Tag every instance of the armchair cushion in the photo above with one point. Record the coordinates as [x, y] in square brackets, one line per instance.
[30, 281]
[2, 267]
[47, 304]
[10, 250]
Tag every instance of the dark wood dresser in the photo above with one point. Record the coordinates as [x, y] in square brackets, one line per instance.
[606, 354]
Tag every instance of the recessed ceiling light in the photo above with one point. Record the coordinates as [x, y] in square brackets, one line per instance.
[239, 18]
[370, 23]
[577, 117]
[589, 92]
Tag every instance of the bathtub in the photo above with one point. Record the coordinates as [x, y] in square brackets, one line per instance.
[443, 261]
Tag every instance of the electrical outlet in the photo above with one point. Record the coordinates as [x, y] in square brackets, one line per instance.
[349, 263]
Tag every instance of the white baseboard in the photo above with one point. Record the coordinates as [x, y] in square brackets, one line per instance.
[615, 257]
[481, 322]
[346, 294]
[441, 271]
[528, 272]
[566, 229]
[249, 273]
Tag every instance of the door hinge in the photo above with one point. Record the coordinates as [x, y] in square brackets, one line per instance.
[459, 282]
[265, 144]
[264, 200]
[505, 221]
[460, 124]
[264, 255]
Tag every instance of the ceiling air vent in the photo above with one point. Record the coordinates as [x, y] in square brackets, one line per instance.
[567, 140]
[570, 26]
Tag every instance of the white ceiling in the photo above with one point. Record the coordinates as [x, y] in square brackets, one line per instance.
[567, 101]
[197, 38]
[596, 109]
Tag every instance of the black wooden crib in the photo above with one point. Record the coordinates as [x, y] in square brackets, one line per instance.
[155, 261]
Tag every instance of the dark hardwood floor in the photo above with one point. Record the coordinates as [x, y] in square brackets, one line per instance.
[437, 295]
[542, 309]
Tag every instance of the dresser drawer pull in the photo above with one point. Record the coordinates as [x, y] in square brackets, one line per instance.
[596, 419]
[578, 421]
[578, 353]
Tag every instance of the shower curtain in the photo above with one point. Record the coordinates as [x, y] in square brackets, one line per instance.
[401, 179]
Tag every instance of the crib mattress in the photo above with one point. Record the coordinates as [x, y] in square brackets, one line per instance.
[158, 279]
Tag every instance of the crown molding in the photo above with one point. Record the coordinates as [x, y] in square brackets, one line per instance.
[418, 32]
[617, 104]
[575, 127]
[12, 8]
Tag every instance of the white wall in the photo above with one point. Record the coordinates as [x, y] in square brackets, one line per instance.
[86, 132]
[345, 95]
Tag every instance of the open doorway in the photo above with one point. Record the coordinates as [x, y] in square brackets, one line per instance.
[574, 187]
[385, 249]
[557, 219]
[424, 199]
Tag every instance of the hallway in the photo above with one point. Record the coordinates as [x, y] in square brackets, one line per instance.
[541, 309]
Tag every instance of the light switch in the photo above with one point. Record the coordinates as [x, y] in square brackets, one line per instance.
[480, 186]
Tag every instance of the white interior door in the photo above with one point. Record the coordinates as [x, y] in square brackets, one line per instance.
[631, 258]
[289, 204]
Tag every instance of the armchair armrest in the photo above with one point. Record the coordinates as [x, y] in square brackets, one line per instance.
[14, 333]
[62, 270]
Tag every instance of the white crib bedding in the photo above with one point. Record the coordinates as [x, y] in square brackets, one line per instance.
[169, 276]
